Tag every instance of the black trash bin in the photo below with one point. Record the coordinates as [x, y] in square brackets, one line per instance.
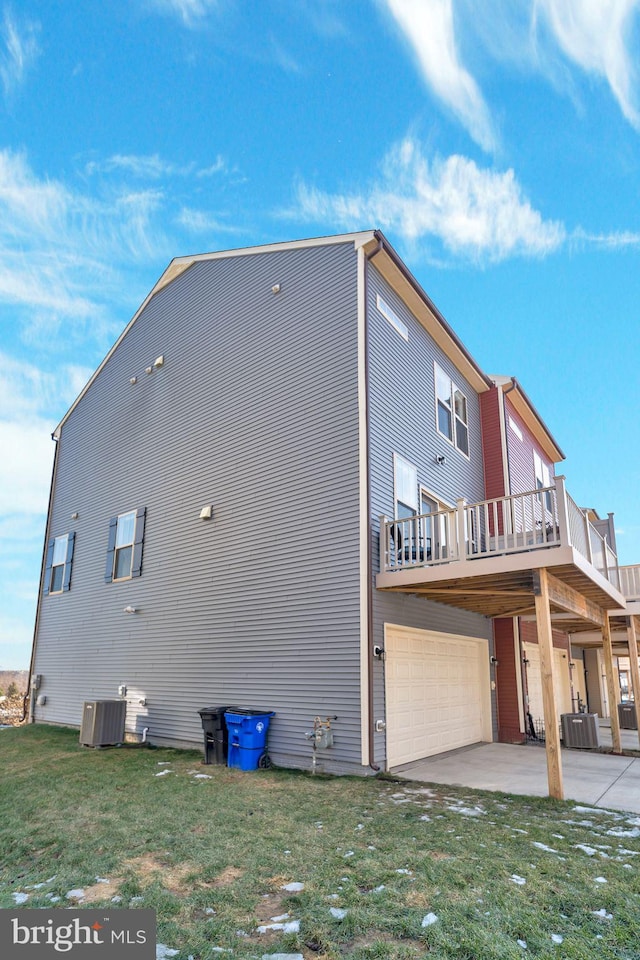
[216, 735]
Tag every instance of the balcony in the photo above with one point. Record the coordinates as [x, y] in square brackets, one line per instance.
[630, 581]
[484, 556]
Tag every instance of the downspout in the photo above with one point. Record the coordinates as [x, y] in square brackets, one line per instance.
[28, 697]
[374, 766]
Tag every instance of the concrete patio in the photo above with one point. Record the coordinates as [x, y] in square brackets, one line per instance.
[602, 780]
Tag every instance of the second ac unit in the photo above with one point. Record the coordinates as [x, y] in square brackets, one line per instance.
[627, 716]
[103, 722]
[580, 730]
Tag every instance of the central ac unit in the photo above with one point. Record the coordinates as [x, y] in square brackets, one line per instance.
[580, 730]
[103, 722]
[627, 716]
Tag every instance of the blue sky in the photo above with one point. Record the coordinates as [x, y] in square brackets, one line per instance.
[498, 152]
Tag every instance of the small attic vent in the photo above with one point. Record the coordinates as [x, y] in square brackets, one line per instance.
[393, 318]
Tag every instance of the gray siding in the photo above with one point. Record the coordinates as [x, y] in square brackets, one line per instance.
[402, 420]
[255, 412]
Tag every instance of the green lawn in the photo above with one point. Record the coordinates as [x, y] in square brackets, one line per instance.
[212, 856]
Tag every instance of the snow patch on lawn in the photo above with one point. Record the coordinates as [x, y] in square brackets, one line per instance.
[519, 880]
[291, 926]
[467, 811]
[429, 919]
[282, 956]
[338, 913]
[20, 897]
[163, 951]
[619, 832]
[163, 773]
[543, 846]
[295, 887]
[590, 851]
[599, 811]
[602, 913]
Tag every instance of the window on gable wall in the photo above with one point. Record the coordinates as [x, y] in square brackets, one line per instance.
[543, 479]
[451, 411]
[124, 550]
[57, 576]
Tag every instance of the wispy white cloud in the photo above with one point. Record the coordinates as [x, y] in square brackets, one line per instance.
[56, 243]
[28, 397]
[596, 35]
[219, 165]
[153, 167]
[189, 12]
[551, 37]
[616, 240]
[18, 50]
[474, 213]
[201, 221]
[429, 28]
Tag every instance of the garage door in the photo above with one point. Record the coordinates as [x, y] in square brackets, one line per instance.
[437, 693]
[560, 679]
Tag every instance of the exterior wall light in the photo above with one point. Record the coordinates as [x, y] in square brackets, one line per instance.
[158, 362]
[275, 288]
[130, 609]
[133, 380]
[206, 513]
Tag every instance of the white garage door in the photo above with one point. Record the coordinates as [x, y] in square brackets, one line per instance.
[561, 680]
[437, 693]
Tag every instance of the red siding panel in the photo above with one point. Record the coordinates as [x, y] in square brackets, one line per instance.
[492, 444]
[506, 683]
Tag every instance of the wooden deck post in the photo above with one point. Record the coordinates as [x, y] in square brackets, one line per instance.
[612, 693]
[632, 637]
[545, 644]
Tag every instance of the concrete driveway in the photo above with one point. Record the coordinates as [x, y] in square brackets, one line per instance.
[597, 779]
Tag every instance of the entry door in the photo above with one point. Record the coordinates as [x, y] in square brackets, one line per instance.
[561, 679]
[436, 529]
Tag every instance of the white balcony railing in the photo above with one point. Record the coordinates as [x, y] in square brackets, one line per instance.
[630, 581]
[536, 520]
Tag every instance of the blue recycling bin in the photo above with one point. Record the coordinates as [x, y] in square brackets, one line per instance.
[247, 738]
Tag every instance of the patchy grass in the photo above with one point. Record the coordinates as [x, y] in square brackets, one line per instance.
[213, 857]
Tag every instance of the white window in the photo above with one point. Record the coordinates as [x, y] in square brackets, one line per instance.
[124, 548]
[406, 487]
[516, 429]
[392, 317]
[543, 478]
[58, 562]
[125, 536]
[452, 419]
